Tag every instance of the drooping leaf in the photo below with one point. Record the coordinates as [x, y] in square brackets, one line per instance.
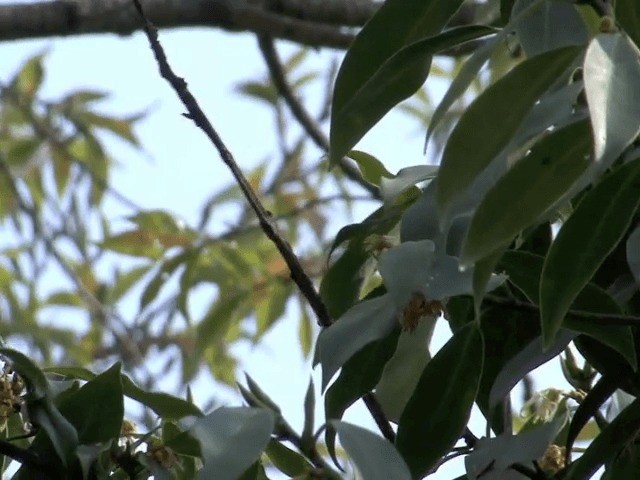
[403, 370]
[231, 439]
[611, 73]
[394, 80]
[584, 241]
[553, 25]
[590, 407]
[489, 122]
[359, 375]
[619, 433]
[362, 324]
[526, 360]
[528, 190]
[374, 457]
[446, 389]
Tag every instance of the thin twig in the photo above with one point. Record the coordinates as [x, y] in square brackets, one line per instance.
[597, 318]
[299, 276]
[278, 76]
[196, 114]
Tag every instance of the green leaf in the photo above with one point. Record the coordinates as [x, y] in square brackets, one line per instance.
[371, 168]
[628, 16]
[403, 370]
[359, 375]
[309, 413]
[231, 439]
[505, 332]
[493, 457]
[124, 282]
[611, 79]
[374, 457]
[526, 192]
[96, 410]
[60, 432]
[590, 406]
[396, 24]
[633, 254]
[219, 318]
[584, 241]
[362, 324]
[526, 360]
[446, 389]
[488, 124]
[120, 127]
[525, 269]
[289, 462]
[553, 25]
[406, 178]
[164, 405]
[615, 437]
[29, 79]
[29, 371]
[359, 103]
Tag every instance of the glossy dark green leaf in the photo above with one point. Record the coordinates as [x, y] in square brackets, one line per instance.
[619, 433]
[359, 375]
[164, 405]
[506, 332]
[396, 24]
[611, 73]
[524, 270]
[587, 237]
[362, 324]
[552, 25]
[506, 6]
[394, 80]
[446, 389]
[590, 407]
[526, 360]
[61, 433]
[633, 254]
[374, 457]
[309, 413]
[528, 189]
[628, 16]
[96, 410]
[625, 465]
[489, 122]
[231, 439]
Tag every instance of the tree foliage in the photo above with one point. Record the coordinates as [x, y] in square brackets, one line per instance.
[524, 240]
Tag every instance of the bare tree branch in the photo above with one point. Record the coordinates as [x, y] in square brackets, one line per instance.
[327, 23]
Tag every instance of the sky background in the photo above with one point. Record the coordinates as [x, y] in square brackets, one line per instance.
[178, 169]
